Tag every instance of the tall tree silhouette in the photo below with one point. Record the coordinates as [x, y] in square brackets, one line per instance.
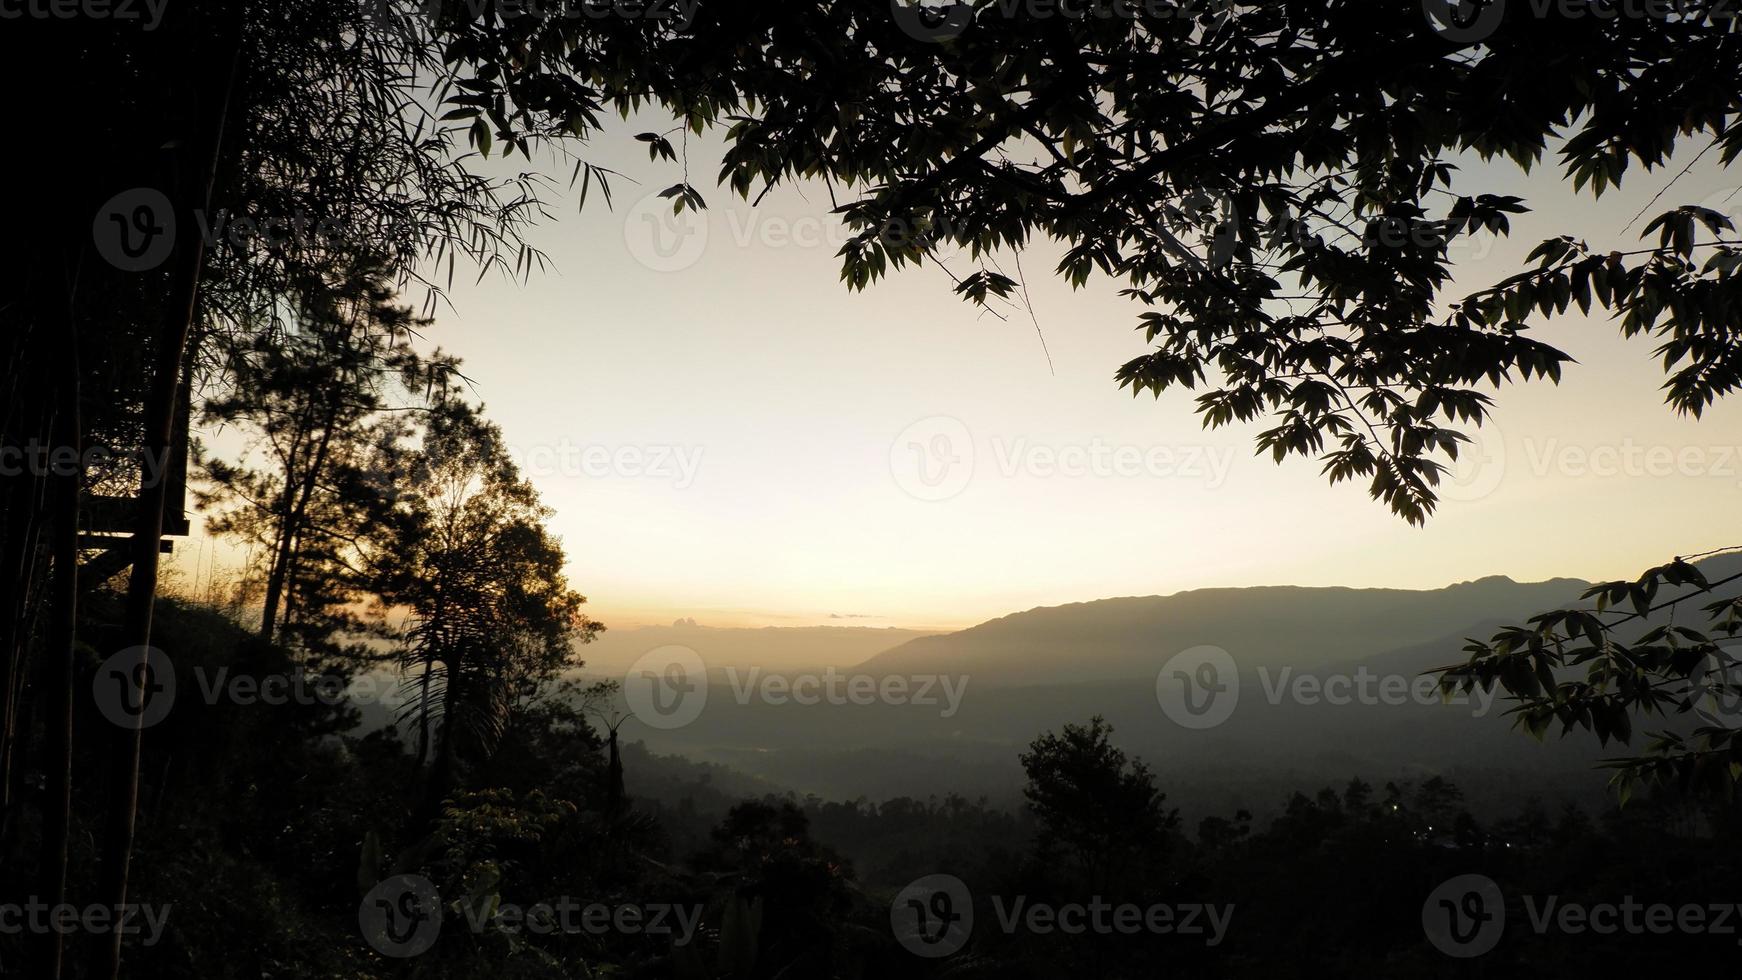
[1093, 802]
[491, 614]
[311, 395]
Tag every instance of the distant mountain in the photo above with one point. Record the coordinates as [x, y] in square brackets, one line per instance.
[1292, 725]
[771, 648]
[1265, 626]
[1268, 626]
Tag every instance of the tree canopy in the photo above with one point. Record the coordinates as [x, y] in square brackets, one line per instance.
[1279, 188]
[1277, 185]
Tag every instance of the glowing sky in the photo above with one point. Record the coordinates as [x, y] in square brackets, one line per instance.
[738, 439]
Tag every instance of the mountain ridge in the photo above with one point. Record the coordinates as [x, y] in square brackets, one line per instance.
[1129, 637]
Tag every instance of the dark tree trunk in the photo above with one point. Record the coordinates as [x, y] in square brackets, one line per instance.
[281, 585]
[614, 796]
[142, 593]
[160, 412]
[57, 660]
[12, 586]
[423, 718]
[284, 534]
[20, 605]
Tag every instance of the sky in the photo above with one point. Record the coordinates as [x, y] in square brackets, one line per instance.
[725, 432]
